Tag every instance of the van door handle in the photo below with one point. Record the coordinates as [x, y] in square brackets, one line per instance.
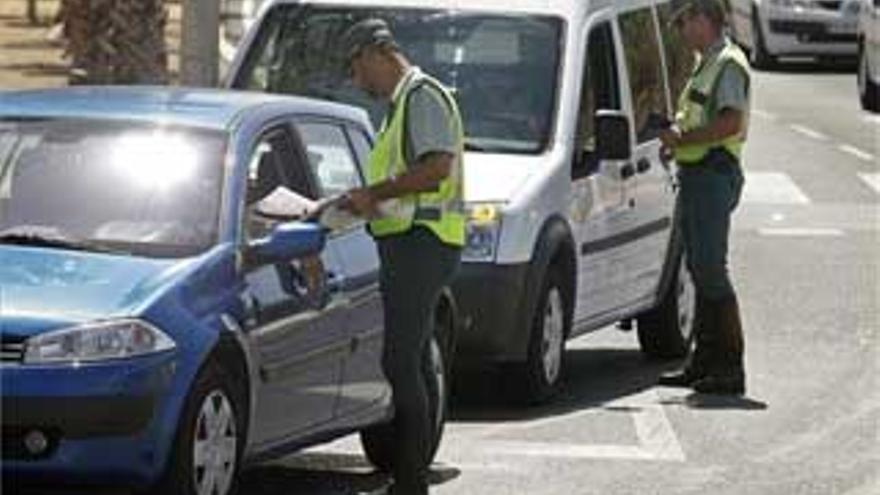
[643, 165]
[335, 281]
[627, 171]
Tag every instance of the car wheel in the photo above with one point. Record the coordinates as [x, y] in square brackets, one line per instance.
[869, 91]
[759, 57]
[546, 353]
[666, 330]
[379, 441]
[210, 436]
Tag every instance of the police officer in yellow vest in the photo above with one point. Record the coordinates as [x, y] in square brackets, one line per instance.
[414, 203]
[707, 139]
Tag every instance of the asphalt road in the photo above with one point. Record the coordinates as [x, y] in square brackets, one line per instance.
[806, 260]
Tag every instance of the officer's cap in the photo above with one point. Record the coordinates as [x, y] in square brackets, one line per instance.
[712, 9]
[367, 32]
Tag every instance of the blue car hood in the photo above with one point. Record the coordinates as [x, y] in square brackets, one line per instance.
[45, 288]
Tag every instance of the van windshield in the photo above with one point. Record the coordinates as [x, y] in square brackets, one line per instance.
[502, 68]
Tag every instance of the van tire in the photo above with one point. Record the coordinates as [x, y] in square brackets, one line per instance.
[869, 92]
[379, 441]
[543, 369]
[759, 56]
[666, 331]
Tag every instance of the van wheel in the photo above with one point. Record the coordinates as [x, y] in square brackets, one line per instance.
[759, 57]
[869, 92]
[666, 330]
[379, 441]
[210, 436]
[544, 363]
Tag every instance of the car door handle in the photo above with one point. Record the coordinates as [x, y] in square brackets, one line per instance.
[627, 171]
[643, 165]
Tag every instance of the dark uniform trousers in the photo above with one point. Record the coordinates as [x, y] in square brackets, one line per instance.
[416, 266]
[709, 192]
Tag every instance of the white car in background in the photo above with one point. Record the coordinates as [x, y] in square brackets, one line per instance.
[869, 55]
[769, 29]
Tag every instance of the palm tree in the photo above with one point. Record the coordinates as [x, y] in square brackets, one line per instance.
[116, 41]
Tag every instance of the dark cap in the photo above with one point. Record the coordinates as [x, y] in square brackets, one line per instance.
[714, 10]
[367, 32]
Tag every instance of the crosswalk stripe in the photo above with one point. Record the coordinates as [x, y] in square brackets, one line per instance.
[772, 188]
[872, 179]
[806, 131]
[800, 232]
[856, 152]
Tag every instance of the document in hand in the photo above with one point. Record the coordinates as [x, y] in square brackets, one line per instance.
[284, 204]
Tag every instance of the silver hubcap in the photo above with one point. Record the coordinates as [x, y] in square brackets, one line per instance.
[440, 378]
[553, 335]
[214, 445]
[686, 302]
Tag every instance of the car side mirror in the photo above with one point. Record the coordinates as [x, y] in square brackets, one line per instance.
[287, 241]
[613, 135]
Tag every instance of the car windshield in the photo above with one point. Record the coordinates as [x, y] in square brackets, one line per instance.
[502, 69]
[143, 189]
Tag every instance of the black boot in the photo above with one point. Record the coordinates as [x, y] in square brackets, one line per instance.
[699, 361]
[727, 375]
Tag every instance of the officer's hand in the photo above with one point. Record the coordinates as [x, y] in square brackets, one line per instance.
[362, 203]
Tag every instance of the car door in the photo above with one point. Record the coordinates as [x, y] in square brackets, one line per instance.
[599, 206]
[296, 324]
[652, 200]
[336, 152]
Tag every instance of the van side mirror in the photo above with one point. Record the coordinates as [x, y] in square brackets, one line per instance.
[612, 135]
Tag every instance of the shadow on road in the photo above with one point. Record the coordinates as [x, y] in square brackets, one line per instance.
[324, 474]
[841, 65]
[593, 378]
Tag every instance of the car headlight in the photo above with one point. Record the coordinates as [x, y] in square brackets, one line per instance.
[481, 232]
[115, 339]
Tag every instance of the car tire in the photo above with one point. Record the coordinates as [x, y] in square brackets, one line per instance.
[379, 441]
[543, 369]
[666, 331]
[869, 92]
[759, 56]
[212, 422]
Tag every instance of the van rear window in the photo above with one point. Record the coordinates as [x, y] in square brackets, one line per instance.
[502, 69]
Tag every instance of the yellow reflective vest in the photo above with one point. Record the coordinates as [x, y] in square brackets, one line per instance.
[441, 211]
[696, 104]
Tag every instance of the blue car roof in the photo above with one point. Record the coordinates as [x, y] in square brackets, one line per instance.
[216, 109]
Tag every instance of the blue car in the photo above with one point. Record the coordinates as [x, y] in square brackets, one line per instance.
[173, 305]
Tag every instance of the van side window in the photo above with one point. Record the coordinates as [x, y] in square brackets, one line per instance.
[599, 90]
[644, 66]
[679, 58]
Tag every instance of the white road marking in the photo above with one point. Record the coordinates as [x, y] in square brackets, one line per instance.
[764, 114]
[873, 180]
[800, 232]
[856, 152]
[657, 440]
[872, 119]
[806, 131]
[772, 188]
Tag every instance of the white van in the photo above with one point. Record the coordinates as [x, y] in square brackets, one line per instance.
[869, 55]
[571, 199]
[768, 29]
